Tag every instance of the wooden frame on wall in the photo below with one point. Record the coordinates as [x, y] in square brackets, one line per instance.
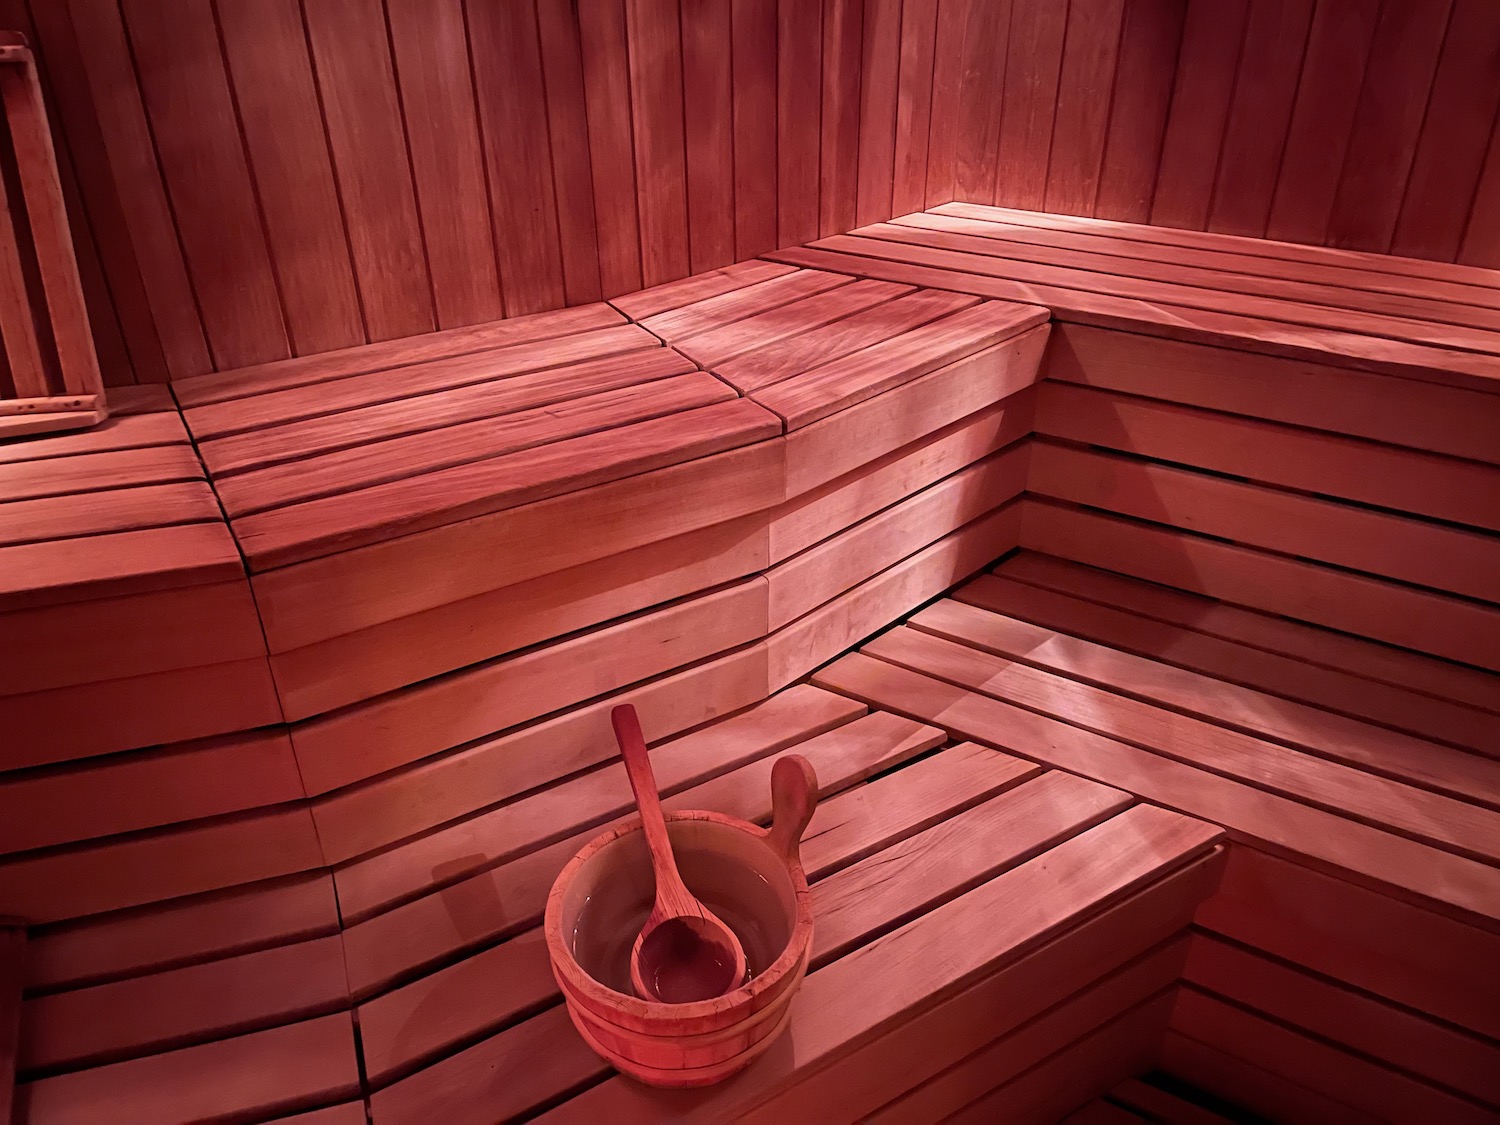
[53, 368]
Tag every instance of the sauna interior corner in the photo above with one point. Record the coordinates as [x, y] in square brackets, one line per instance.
[1130, 578]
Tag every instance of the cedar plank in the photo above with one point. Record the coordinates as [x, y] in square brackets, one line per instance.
[281, 1069]
[773, 362]
[1397, 867]
[1333, 689]
[257, 448]
[183, 931]
[1430, 818]
[1321, 647]
[866, 374]
[147, 1015]
[764, 331]
[447, 499]
[224, 386]
[413, 456]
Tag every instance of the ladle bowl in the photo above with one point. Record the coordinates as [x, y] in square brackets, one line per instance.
[596, 909]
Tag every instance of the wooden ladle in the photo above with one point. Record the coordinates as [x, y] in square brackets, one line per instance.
[684, 952]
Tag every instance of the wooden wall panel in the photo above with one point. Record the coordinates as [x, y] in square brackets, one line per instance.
[186, 92]
[437, 97]
[272, 177]
[271, 74]
[843, 31]
[753, 34]
[351, 54]
[708, 116]
[1349, 123]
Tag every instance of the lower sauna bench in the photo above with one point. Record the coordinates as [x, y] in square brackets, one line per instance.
[974, 915]
[978, 916]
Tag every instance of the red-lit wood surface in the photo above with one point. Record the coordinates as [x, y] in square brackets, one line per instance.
[1422, 320]
[356, 153]
[289, 178]
[115, 1012]
[50, 381]
[436, 744]
[1338, 888]
[114, 556]
[1340, 122]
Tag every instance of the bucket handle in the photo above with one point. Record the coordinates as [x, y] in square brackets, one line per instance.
[794, 796]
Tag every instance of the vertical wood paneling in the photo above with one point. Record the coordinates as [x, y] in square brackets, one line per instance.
[271, 74]
[984, 59]
[136, 182]
[660, 159]
[1455, 136]
[1206, 71]
[843, 25]
[252, 178]
[1038, 29]
[567, 123]
[176, 48]
[1150, 41]
[606, 87]
[1338, 48]
[708, 118]
[431, 47]
[947, 100]
[1481, 245]
[754, 73]
[914, 106]
[1392, 103]
[879, 77]
[352, 60]
[799, 65]
[1255, 134]
[505, 48]
[1084, 93]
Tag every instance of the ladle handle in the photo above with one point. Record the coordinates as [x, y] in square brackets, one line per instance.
[794, 796]
[671, 893]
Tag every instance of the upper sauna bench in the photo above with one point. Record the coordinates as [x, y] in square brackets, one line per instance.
[393, 482]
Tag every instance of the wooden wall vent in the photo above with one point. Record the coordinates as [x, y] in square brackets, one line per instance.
[50, 379]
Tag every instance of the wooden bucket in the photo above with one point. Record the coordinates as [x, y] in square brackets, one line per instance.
[597, 906]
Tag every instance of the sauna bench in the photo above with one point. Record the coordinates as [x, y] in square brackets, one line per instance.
[1244, 498]
[963, 897]
[1353, 948]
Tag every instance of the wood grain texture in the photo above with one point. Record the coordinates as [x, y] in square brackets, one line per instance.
[438, 109]
[1085, 81]
[1387, 125]
[1212, 37]
[708, 119]
[843, 54]
[656, 99]
[221, 235]
[506, 54]
[280, 115]
[1338, 48]
[753, 33]
[1271, 66]
[1032, 67]
[362, 114]
[567, 117]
